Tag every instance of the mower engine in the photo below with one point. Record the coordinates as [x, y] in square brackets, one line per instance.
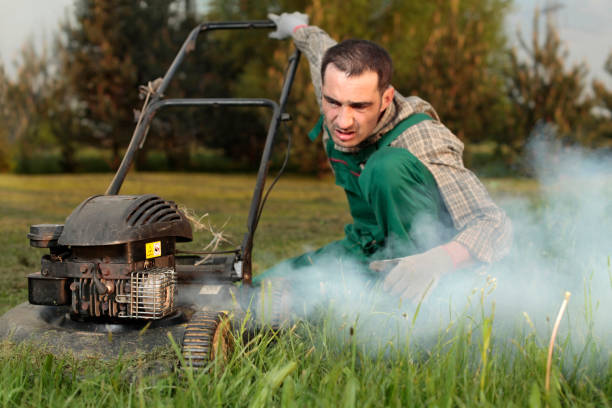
[114, 258]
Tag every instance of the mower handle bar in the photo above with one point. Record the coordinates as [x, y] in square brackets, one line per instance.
[156, 102]
[188, 46]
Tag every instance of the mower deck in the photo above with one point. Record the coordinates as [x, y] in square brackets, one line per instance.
[52, 327]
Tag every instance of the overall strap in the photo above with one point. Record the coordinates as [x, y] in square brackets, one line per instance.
[411, 120]
[353, 160]
[316, 130]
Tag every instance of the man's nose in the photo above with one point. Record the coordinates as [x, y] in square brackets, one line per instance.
[345, 117]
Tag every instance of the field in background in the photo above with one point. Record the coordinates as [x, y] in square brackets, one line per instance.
[311, 364]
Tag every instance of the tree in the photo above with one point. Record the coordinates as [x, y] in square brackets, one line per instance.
[5, 161]
[248, 64]
[457, 69]
[542, 89]
[65, 115]
[603, 101]
[113, 47]
[37, 112]
[27, 101]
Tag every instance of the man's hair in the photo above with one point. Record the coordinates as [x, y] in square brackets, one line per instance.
[354, 57]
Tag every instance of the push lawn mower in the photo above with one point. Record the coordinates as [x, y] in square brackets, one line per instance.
[113, 282]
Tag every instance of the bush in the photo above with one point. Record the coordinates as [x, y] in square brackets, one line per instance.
[39, 163]
[93, 161]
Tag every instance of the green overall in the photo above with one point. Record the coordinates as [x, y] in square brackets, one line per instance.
[388, 191]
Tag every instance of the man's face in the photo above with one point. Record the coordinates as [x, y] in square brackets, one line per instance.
[352, 105]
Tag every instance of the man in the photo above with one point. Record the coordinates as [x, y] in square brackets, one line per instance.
[418, 213]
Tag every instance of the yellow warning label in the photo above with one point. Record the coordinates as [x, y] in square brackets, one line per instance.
[153, 249]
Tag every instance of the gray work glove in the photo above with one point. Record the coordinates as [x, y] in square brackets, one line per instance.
[414, 277]
[286, 23]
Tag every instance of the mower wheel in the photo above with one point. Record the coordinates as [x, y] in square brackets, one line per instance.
[273, 308]
[207, 336]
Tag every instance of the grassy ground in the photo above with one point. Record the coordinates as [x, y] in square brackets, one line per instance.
[319, 362]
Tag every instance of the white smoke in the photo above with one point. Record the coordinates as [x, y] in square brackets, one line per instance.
[563, 242]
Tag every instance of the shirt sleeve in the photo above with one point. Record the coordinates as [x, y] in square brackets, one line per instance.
[482, 227]
[313, 42]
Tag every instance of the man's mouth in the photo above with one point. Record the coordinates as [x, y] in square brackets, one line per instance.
[344, 135]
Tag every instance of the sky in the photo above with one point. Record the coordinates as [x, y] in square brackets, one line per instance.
[24, 19]
[584, 27]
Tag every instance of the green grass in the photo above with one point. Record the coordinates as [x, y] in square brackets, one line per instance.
[329, 360]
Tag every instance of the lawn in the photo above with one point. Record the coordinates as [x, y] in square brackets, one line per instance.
[489, 350]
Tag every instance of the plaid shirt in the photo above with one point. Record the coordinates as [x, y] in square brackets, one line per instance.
[482, 227]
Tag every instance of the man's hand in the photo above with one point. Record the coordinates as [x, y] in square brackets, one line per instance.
[414, 277]
[286, 23]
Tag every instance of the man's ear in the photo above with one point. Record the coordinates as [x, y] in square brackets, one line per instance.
[387, 97]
